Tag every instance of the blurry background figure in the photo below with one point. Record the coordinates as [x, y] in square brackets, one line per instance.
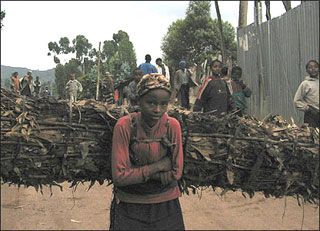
[182, 80]
[132, 87]
[214, 95]
[239, 90]
[306, 98]
[162, 68]
[15, 83]
[107, 89]
[26, 83]
[46, 93]
[147, 67]
[37, 86]
[72, 87]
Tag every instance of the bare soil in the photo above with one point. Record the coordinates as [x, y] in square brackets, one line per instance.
[27, 209]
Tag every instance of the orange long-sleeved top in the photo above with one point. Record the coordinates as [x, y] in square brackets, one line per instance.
[123, 173]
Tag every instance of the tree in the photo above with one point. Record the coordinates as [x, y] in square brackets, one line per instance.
[196, 38]
[80, 46]
[3, 14]
[119, 55]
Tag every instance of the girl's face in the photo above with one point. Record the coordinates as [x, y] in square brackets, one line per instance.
[313, 69]
[216, 68]
[153, 105]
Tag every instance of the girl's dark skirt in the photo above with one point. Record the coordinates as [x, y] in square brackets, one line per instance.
[160, 216]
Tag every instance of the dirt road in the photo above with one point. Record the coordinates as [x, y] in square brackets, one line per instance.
[26, 209]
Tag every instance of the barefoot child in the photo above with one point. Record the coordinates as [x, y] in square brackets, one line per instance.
[147, 162]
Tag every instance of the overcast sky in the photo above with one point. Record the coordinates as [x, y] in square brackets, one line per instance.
[30, 25]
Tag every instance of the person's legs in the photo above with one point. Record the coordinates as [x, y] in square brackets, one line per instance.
[185, 96]
[311, 119]
[160, 216]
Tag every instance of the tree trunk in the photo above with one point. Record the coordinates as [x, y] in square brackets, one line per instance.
[287, 5]
[221, 31]
[243, 14]
[98, 78]
[268, 12]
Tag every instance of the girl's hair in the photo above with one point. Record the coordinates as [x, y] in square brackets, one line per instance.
[312, 61]
[152, 81]
[213, 61]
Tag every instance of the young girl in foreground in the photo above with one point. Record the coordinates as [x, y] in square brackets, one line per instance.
[147, 162]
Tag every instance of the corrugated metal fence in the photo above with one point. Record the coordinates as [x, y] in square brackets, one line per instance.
[287, 43]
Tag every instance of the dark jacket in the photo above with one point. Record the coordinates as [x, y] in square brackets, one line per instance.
[214, 96]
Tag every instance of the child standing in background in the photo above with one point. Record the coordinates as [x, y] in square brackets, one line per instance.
[147, 162]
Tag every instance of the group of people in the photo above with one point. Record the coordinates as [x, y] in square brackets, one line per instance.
[27, 86]
[147, 154]
[217, 94]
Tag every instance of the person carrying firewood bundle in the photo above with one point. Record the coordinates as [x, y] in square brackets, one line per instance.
[73, 86]
[147, 162]
[306, 98]
[214, 95]
[107, 89]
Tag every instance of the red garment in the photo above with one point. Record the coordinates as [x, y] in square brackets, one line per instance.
[124, 174]
[205, 83]
[16, 83]
[116, 95]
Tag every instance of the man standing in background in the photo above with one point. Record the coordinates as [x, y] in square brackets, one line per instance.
[26, 83]
[107, 89]
[182, 85]
[147, 67]
[37, 86]
[306, 98]
[72, 87]
[162, 68]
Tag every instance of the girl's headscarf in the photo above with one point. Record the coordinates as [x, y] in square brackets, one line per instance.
[152, 81]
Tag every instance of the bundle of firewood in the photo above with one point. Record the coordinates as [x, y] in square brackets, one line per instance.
[46, 142]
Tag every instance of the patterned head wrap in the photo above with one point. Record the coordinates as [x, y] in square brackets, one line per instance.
[152, 81]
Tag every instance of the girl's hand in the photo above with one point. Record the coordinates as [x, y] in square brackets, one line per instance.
[164, 164]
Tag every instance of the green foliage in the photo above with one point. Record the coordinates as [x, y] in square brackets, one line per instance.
[119, 56]
[109, 49]
[89, 83]
[60, 80]
[196, 38]
[63, 73]
[65, 45]
[81, 47]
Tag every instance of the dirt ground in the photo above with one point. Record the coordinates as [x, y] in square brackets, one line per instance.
[27, 209]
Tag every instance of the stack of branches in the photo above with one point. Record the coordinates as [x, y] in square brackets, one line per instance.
[43, 142]
[269, 156]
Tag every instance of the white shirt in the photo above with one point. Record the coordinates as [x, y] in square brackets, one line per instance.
[159, 69]
[307, 93]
